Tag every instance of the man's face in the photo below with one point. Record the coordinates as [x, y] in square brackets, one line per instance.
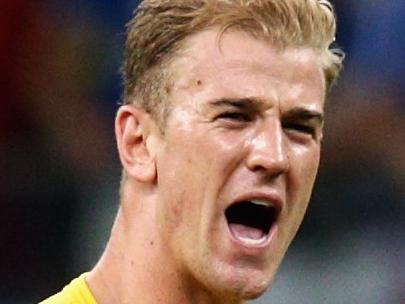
[238, 160]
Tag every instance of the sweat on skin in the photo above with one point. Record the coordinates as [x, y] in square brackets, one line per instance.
[245, 124]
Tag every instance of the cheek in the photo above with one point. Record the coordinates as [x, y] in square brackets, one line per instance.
[181, 183]
[230, 150]
[308, 159]
[304, 170]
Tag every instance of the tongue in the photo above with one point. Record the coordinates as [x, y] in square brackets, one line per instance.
[246, 232]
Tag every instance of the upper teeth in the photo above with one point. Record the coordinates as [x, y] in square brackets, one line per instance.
[262, 203]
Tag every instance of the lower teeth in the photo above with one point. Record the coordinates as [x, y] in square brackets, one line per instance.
[252, 241]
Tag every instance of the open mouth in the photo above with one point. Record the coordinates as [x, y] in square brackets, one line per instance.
[250, 221]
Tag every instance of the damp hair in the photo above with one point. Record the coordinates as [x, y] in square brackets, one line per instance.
[159, 28]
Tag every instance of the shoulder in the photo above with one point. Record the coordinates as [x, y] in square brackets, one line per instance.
[77, 292]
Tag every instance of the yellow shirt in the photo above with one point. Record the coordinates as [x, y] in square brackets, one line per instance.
[77, 292]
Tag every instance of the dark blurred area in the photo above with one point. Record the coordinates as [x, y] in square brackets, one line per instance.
[59, 90]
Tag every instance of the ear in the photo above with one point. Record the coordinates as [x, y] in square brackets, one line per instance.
[133, 131]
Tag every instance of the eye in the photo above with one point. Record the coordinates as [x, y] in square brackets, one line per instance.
[303, 129]
[234, 116]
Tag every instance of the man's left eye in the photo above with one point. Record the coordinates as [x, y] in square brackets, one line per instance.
[302, 128]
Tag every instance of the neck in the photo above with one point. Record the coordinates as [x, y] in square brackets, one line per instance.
[137, 267]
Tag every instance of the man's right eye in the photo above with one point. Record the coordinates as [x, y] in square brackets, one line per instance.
[300, 130]
[234, 116]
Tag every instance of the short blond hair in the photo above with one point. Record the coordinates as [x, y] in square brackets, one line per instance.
[159, 27]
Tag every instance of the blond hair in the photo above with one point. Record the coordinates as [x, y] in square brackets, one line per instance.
[159, 27]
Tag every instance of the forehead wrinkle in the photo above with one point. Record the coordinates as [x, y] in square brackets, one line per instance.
[247, 103]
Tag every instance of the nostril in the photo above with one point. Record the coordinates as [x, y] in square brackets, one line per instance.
[268, 174]
[271, 164]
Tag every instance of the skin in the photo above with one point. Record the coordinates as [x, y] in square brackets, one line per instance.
[245, 123]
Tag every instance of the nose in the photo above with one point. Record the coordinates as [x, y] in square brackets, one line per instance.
[268, 152]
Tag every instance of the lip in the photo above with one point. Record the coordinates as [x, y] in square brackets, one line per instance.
[278, 204]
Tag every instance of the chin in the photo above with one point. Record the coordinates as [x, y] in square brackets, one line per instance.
[254, 288]
[253, 292]
[242, 284]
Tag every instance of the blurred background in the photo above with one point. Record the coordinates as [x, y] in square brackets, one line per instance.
[59, 90]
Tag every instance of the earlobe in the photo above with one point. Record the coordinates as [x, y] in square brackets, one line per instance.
[132, 129]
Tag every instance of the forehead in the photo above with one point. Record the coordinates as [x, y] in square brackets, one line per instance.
[235, 65]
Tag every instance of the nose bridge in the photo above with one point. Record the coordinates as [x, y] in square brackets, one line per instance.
[268, 149]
